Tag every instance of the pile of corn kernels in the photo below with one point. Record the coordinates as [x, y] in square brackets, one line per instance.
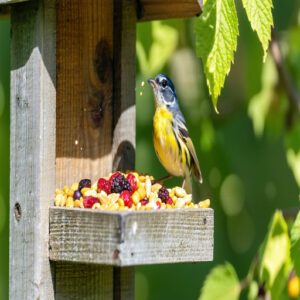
[121, 191]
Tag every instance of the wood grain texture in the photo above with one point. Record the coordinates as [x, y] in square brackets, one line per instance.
[149, 10]
[95, 116]
[130, 239]
[32, 173]
[84, 89]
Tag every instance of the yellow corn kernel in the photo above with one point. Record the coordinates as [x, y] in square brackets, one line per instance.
[121, 202]
[84, 190]
[81, 202]
[188, 199]
[180, 192]
[155, 187]
[70, 193]
[204, 203]
[77, 203]
[59, 191]
[90, 192]
[113, 198]
[142, 192]
[172, 193]
[75, 186]
[148, 186]
[136, 197]
[142, 178]
[60, 200]
[179, 203]
[103, 197]
[69, 202]
[95, 186]
[96, 205]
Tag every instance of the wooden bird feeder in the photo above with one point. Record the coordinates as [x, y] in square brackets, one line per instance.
[73, 79]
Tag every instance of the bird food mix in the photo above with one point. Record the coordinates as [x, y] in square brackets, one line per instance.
[121, 191]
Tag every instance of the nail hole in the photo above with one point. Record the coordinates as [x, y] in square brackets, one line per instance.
[18, 211]
[204, 221]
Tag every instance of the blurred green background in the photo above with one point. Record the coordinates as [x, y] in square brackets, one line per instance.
[248, 153]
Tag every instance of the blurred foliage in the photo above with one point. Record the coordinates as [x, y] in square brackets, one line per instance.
[270, 274]
[249, 153]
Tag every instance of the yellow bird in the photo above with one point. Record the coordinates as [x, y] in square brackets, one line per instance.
[172, 141]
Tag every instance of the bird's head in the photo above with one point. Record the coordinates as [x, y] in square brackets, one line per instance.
[164, 91]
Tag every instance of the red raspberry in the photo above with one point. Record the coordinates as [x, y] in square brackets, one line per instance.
[169, 201]
[104, 185]
[132, 181]
[158, 203]
[89, 201]
[126, 196]
[144, 201]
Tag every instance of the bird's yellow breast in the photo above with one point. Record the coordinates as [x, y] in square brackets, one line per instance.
[165, 143]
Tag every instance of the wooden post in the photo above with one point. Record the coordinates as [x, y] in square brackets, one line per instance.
[32, 148]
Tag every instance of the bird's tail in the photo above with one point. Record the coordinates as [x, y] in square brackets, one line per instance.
[196, 172]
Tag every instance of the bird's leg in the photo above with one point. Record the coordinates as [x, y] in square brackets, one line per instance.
[162, 179]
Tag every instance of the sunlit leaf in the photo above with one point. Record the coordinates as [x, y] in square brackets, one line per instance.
[274, 252]
[216, 40]
[295, 244]
[165, 40]
[259, 13]
[221, 284]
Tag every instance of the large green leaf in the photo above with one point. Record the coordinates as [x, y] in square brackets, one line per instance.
[295, 244]
[216, 40]
[275, 254]
[259, 13]
[221, 284]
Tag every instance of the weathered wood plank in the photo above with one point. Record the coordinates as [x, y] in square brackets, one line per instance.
[149, 10]
[130, 239]
[95, 110]
[32, 175]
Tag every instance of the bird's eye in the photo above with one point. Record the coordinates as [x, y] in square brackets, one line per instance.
[164, 83]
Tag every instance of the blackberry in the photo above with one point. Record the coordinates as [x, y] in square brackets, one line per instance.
[84, 183]
[163, 194]
[119, 184]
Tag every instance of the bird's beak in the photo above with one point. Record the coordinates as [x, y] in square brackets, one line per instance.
[152, 82]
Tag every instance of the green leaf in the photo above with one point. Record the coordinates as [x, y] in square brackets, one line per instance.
[275, 253]
[221, 284]
[216, 40]
[295, 244]
[165, 40]
[259, 13]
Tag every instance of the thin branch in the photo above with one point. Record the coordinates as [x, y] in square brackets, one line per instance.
[291, 91]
